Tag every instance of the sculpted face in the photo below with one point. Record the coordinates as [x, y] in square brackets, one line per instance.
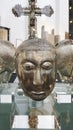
[35, 64]
[7, 63]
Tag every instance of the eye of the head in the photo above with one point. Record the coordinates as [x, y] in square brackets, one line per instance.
[29, 66]
[46, 65]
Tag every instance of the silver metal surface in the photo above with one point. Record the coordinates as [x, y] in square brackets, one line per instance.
[7, 63]
[35, 66]
[64, 52]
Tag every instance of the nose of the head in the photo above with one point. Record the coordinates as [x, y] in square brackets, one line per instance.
[37, 77]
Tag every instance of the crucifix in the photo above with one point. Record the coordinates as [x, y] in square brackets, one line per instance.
[32, 11]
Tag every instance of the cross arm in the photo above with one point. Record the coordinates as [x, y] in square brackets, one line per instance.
[18, 11]
[47, 10]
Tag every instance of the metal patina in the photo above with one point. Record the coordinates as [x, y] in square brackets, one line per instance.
[35, 66]
[65, 60]
[7, 63]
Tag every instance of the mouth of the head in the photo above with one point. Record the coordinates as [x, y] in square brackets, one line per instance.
[37, 93]
[38, 96]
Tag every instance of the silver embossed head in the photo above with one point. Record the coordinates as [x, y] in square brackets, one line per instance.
[7, 62]
[35, 66]
[64, 51]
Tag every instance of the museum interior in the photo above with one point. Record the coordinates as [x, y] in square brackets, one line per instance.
[36, 65]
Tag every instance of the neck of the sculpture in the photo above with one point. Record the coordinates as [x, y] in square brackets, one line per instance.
[32, 35]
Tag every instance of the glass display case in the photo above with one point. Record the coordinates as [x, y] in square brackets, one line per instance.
[64, 105]
[53, 113]
[56, 108]
[7, 105]
[31, 114]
